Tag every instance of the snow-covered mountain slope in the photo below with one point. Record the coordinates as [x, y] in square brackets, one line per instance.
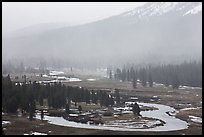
[160, 8]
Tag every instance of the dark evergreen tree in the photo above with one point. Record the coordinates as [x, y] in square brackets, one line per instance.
[42, 114]
[128, 75]
[87, 96]
[150, 80]
[117, 95]
[143, 77]
[175, 82]
[110, 74]
[136, 109]
[79, 108]
[124, 74]
[32, 109]
[118, 74]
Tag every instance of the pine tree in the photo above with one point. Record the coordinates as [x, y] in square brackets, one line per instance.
[124, 74]
[79, 108]
[42, 114]
[31, 110]
[117, 95]
[132, 73]
[150, 80]
[175, 82]
[87, 96]
[111, 100]
[94, 97]
[110, 74]
[67, 108]
[134, 82]
[41, 100]
[143, 77]
[118, 74]
[128, 75]
[136, 109]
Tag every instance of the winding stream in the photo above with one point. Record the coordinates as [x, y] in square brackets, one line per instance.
[171, 123]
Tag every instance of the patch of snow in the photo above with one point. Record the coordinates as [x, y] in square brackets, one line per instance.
[133, 98]
[170, 91]
[155, 96]
[195, 10]
[54, 73]
[188, 87]
[35, 133]
[173, 113]
[189, 108]
[53, 81]
[45, 75]
[158, 84]
[196, 119]
[61, 78]
[5, 122]
[74, 79]
[19, 83]
[91, 79]
[73, 115]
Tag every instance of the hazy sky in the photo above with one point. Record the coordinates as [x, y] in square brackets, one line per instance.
[17, 15]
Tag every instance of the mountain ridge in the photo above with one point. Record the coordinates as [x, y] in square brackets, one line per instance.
[124, 37]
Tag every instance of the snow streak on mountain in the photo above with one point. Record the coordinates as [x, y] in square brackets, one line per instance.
[160, 8]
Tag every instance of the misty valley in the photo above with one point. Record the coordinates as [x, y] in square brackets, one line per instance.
[135, 73]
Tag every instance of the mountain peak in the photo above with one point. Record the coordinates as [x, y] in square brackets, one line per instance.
[160, 8]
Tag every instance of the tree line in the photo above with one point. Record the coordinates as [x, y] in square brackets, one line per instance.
[186, 73]
[24, 96]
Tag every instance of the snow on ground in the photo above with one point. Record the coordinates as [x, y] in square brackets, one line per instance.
[62, 79]
[5, 122]
[131, 124]
[190, 108]
[45, 75]
[155, 96]
[170, 91]
[55, 73]
[188, 87]
[133, 98]
[173, 113]
[171, 123]
[74, 79]
[122, 108]
[91, 79]
[35, 133]
[196, 119]
[157, 84]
